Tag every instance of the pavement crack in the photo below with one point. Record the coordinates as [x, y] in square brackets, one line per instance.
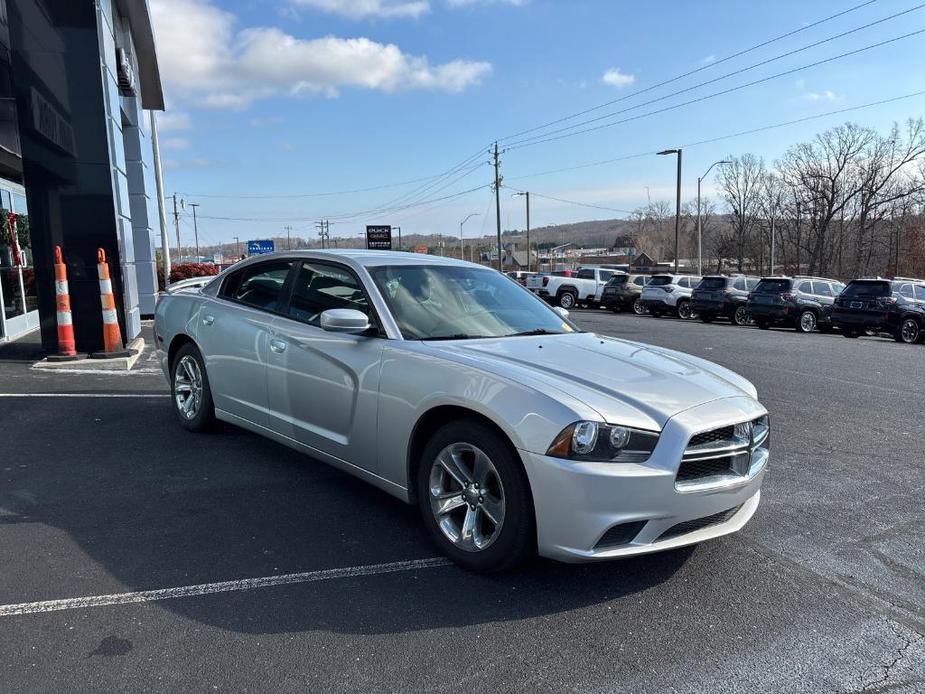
[887, 668]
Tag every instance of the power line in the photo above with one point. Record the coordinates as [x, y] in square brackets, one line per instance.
[329, 193]
[693, 72]
[727, 136]
[748, 68]
[574, 202]
[527, 143]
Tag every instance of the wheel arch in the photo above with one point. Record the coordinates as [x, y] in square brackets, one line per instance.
[178, 341]
[570, 288]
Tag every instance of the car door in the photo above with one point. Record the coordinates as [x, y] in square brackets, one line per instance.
[324, 386]
[603, 276]
[233, 333]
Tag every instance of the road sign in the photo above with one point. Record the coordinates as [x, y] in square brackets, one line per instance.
[260, 246]
[379, 237]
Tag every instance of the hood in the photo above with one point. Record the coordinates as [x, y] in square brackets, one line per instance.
[625, 382]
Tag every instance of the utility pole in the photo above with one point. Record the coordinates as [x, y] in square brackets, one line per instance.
[288, 238]
[498, 205]
[677, 211]
[399, 237]
[176, 224]
[773, 213]
[526, 194]
[159, 183]
[699, 228]
[194, 205]
[327, 231]
[237, 247]
[320, 226]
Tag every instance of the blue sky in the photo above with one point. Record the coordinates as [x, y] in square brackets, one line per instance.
[294, 97]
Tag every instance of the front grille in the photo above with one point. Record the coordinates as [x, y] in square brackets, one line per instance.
[723, 455]
[698, 523]
[713, 436]
[620, 534]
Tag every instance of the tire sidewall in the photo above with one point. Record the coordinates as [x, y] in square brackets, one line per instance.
[518, 535]
[567, 303]
[205, 418]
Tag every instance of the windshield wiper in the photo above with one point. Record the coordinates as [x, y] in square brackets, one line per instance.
[538, 331]
[458, 336]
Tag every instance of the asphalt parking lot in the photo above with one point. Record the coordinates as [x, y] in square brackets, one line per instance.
[105, 496]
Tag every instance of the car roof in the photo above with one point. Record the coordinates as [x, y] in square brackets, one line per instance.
[361, 257]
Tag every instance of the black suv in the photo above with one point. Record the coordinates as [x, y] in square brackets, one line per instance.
[622, 292]
[804, 303]
[718, 296]
[893, 306]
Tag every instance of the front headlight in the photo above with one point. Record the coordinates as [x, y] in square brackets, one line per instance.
[603, 443]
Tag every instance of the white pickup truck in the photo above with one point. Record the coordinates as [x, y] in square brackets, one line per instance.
[583, 287]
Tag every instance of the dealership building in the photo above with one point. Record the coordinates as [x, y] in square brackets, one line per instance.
[76, 163]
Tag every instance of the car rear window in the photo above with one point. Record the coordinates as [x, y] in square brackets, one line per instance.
[660, 281]
[712, 283]
[867, 289]
[773, 286]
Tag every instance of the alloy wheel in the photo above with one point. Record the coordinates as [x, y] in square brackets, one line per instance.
[187, 387]
[740, 317]
[567, 300]
[684, 310]
[638, 308]
[909, 332]
[466, 497]
[807, 322]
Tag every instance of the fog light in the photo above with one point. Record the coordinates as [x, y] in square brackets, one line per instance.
[619, 437]
[584, 438]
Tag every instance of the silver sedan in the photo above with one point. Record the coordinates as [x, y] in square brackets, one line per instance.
[451, 387]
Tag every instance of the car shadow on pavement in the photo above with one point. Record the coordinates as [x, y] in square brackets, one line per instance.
[157, 507]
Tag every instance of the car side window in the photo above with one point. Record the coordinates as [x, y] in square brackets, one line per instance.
[905, 291]
[640, 281]
[739, 284]
[606, 275]
[259, 285]
[586, 274]
[822, 289]
[805, 287]
[318, 287]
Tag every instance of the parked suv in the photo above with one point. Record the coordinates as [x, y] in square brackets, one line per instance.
[719, 296]
[622, 292]
[803, 303]
[669, 294]
[896, 307]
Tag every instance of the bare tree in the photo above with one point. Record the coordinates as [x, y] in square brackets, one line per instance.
[740, 182]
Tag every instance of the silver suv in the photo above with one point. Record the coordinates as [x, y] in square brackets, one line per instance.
[669, 294]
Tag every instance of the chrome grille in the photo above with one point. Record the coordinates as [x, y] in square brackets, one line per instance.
[724, 455]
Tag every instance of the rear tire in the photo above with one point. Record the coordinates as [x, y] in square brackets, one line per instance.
[684, 311]
[189, 390]
[638, 308]
[567, 300]
[490, 482]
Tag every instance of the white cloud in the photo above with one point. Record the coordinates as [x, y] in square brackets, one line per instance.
[173, 120]
[466, 3]
[707, 60]
[361, 9]
[825, 95]
[176, 143]
[615, 78]
[207, 61]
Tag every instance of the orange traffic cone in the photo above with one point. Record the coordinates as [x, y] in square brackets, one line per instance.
[112, 336]
[67, 350]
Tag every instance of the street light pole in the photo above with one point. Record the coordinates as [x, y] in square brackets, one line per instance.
[699, 230]
[677, 209]
[474, 214]
[526, 195]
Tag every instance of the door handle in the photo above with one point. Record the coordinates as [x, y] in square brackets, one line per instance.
[208, 320]
[277, 346]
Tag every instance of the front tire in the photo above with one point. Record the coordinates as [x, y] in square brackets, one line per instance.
[474, 497]
[806, 323]
[567, 300]
[638, 308]
[908, 332]
[685, 312]
[190, 392]
[740, 315]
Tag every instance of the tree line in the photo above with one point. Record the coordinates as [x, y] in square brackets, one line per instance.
[848, 203]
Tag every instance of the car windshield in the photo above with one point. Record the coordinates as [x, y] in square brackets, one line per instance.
[712, 283]
[453, 302]
[773, 286]
[660, 281]
[860, 289]
[617, 279]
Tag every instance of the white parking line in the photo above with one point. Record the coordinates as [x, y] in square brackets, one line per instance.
[220, 587]
[84, 395]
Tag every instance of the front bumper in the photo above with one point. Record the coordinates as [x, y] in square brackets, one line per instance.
[576, 504]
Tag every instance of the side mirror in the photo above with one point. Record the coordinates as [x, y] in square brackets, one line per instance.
[561, 311]
[344, 320]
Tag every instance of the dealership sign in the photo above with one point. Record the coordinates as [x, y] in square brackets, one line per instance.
[260, 246]
[379, 237]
